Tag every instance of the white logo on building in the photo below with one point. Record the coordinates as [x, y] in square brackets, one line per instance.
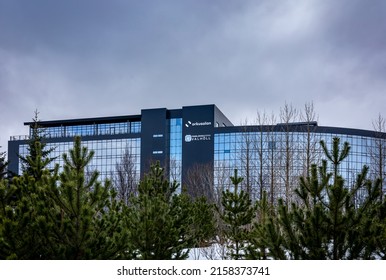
[188, 138]
[189, 123]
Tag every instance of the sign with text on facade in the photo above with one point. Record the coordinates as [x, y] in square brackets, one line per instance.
[192, 124]
[202, 137]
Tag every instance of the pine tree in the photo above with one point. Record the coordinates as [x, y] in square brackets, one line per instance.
[237, 214]
[203, 222]
[62, 215]
[380, 243]
[366, 238]
[24, 203]
[159, 220]
[327, 223]
[23, 211]
[256, 248]
[38, 157]
[6, 194]
[303, 227]
[86, 219]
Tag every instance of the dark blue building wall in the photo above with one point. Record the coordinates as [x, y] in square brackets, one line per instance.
[153, 138]
[197, 137]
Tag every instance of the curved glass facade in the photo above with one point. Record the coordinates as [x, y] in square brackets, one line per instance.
[273, 161]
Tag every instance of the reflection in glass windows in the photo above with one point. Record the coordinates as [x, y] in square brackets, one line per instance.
[175, 148]
[93, 129]
[107, 154]
[270, 159]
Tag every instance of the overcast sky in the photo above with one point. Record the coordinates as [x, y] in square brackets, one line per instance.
[91, 58]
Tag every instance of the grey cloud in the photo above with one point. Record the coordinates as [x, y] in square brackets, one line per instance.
[93, 58]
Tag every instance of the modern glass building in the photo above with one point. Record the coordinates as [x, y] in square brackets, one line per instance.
[200, 148]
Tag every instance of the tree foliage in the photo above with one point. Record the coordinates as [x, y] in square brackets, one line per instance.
[62, 215]
[86, 217]
[159, 219]
[18, 221]
[328, 222]
[203, 224]
[37, 158]
[3, 165]
[237, 213]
